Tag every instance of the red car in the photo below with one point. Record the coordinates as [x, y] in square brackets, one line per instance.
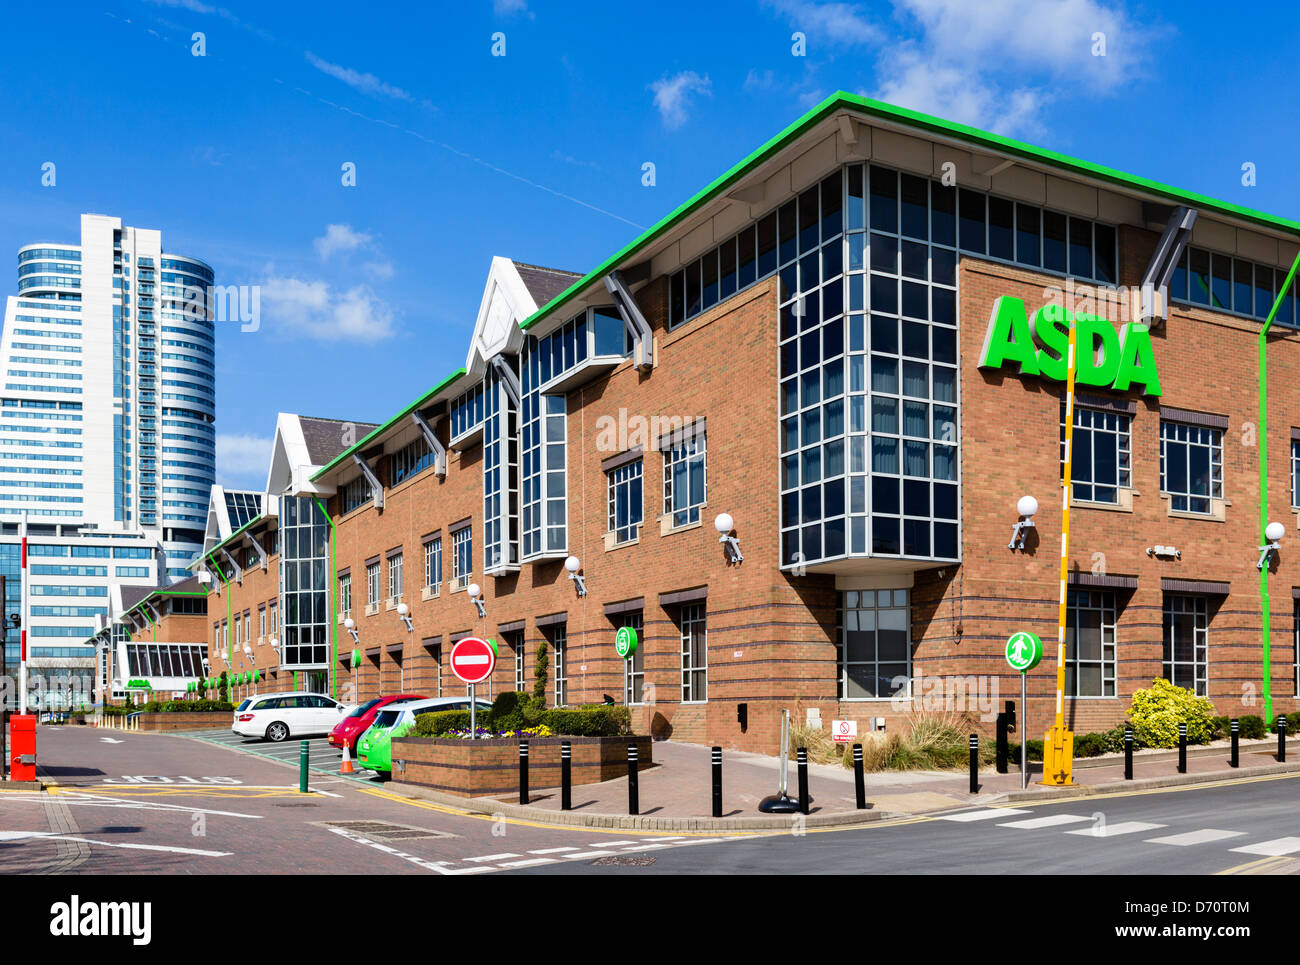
[356, 723]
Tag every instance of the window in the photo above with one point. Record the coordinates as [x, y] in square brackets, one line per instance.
[558, 637]
[634, 666]
[462, 558]
[274, 611]
[875, 644]
[684, 481]
[695, 653]
[626, 506]
[372, 584]
[1090, 644]
[408, 461]
[433, 565]
[354, 494]
[395, 577]
[1295, 472]
[516, 641]
[1101, 465]
[261, 623]
[345, 594]
[1191, 466]
[1231, 285]
[1186, 634]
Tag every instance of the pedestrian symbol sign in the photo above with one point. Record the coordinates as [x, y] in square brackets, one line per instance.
[625, 642]
[1024, 650]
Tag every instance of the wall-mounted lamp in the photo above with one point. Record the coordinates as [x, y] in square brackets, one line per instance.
[275, 644]
[1273, 533]
[573, 564]
[724, 524]
[404, 612]
[476, 597]
[1165, 552]
[248, 652]
[1026, 508]
[350, 625]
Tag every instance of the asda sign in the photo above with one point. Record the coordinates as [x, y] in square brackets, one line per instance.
[1121, 361]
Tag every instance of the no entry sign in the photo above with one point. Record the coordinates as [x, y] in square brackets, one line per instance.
[472, 660]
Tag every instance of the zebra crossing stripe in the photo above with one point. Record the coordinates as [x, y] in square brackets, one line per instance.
[1116, 829]
[1276, 848]
[983, 815]
[1204, 836]
[1047, 821]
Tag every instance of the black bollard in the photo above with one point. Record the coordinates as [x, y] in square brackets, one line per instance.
[1281, 739]
[859, 781]
[1182, 748]
[523, 772]
[974, 763]
[1128, 753]
[1002, 744]
[1236, 735]
[717, 782]
[566, 775]
[802, 757]
[633, 789]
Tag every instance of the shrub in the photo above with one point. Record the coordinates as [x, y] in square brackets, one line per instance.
[593, 720]
[935, 741]
[540, 674]
[1091, 745]
[1159, 709]
[1035, 752]
[507, 711]
[439, 722]
[1251, 727]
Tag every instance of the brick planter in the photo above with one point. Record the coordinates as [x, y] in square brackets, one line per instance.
[181, 720]
[484, 768]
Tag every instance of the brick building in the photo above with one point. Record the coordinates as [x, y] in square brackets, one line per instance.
[848, 344]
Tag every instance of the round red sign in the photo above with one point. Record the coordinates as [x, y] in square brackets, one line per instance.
[472, 660]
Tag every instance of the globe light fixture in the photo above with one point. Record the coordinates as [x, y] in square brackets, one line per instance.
[573, 565]
[1026, 507]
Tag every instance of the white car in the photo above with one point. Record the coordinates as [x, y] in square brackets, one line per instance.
[277, 717]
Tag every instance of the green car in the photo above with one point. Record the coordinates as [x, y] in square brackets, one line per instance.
[374, 747]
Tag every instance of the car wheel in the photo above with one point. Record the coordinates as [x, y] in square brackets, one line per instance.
[277, 732]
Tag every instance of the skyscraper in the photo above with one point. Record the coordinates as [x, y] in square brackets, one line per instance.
[107, 411]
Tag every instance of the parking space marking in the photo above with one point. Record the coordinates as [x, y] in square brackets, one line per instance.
[1187, 838]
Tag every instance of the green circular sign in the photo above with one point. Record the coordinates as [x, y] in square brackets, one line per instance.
[625, 642]
[1024, 650]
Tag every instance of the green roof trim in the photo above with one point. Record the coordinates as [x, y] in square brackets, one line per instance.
[419, 403]
[842, 100]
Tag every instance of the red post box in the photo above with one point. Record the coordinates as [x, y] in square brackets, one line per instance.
[22, 747]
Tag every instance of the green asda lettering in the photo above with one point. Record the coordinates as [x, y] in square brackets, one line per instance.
[1124, 362]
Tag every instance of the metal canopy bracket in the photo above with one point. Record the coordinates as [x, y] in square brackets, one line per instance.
[376, 490]
[508, 378]
[261, 553]
[439, 451]
[239, 570]
[637, 326]
[1154, 290]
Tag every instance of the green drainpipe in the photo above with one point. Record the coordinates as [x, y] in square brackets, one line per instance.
[333, 589]
[1264, 605]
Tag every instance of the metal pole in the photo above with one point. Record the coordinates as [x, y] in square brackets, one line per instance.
[1001, 764]
[523, 772]
[1024, 748]
[473, 714]
[304, 757]
[1128, 753]
[859, 780]
[1234, 761]
[974, 763]
[566, 775]
[717, 782]
[633, 789]
[803, 779]
[1182, 748]
[785, 750]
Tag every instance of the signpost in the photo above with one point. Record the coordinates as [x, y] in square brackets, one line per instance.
[473, 660]
[625, 642]
[844, 731]
[1024, 650]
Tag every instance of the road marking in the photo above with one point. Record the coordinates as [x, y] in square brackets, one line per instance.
[528, 863]
[495, 857]
[551, 850]
[1260, 866]
[983, 815]
[421, 862]
[1116, 829]
[609, 844]
[1273, 849]
[588, 854]
[50, 836]
[1047, 821]
[1195, 837]
[110, 740]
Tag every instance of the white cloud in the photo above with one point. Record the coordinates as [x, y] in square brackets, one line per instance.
[917, 82]
[339, 237]
[508, 8]
[242, 460]
[673, 95]
[316, 310]
[842, 24]
[382, 270]
[366, 83]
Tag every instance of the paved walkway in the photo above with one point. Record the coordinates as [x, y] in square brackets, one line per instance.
[680, 783]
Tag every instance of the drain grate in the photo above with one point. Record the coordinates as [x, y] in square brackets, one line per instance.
[384, 831]
[626, 860]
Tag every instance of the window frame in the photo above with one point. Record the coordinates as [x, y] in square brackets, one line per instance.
[619, 480]
[692, 625]
[1215, 462]
[686, 451]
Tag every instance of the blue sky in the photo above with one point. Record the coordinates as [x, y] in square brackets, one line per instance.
[369, 293]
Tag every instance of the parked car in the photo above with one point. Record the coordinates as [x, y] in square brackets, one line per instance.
[346, 731]
[374, 749]
[277, 717]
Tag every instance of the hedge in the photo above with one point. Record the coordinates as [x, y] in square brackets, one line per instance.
[514, 711]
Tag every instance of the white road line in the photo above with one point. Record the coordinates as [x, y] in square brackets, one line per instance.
[609, 844]
[1195, 837]
[528, 863]
[705, 840]
[1047, 821]
[983, 815]
[50, 836]
[588, 854]
[1116, 829]
[495, 857]
[648, 847]
[421, 862]
[679, 837]
[551, 850]
[1273, 849]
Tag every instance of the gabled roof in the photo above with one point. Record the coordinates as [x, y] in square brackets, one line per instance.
[302, 445]
[544, 283]
[326, 438]
[131, 595]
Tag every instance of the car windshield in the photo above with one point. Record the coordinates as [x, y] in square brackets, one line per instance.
[387, 718]
[361, 711]
[246, 702]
